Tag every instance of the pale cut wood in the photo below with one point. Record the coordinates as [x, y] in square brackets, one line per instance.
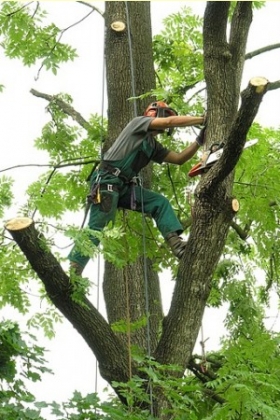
[235, 205]
[18, 223]
[118, 26]
[260, 83]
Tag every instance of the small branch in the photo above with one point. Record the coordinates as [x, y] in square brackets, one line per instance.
[95, 9]
[18, 10]
[66, 108]
[273, 85]
[196, 370]
[59, 39]
[259, 51]
[58, 166]
[242, 233]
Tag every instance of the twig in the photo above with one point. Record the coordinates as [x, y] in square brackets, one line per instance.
[65, 107]
[58, 166]
[59, 39]
[93, 7]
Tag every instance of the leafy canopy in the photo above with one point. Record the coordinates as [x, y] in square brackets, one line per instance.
[244, 372]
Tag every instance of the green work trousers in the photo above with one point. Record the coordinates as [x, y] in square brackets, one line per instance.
[118, 195]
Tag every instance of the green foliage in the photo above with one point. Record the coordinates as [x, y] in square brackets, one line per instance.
[179, 60]
[248, 379]
[245, 371]
[13, 274]
[15, 401]
[6, 194]
[45, 321]
[24, 36]
[123, 326]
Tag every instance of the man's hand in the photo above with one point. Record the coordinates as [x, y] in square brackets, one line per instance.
[201, 138]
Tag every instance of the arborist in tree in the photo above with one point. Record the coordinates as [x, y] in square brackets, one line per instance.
[115, 183]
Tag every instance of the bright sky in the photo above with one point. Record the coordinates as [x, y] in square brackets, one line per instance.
[23, 116]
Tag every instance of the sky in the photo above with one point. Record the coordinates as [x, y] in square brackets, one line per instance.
[24, 116]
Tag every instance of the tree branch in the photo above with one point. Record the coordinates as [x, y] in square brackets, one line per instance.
[58, 166]
[66, 108]
[251, 98]
[92, 7]
[215, 25]
[112, 358]
[242, 233]
[197, 371]
[239, 29]
[262, 50]
[273, 85]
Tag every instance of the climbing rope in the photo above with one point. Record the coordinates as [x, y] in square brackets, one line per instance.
[101, 143]
[133, 90]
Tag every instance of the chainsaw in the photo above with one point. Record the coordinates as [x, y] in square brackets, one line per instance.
[211, 156]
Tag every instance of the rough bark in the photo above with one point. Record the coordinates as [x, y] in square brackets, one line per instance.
[111, 354]
[125, 79]
[212, 210]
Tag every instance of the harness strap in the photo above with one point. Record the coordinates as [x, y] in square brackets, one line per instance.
[114, 171]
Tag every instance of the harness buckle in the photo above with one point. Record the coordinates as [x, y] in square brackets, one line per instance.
[110, 187]
[116, 171]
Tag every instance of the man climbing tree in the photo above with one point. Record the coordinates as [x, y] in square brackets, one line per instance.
[143, 354]
[115, 184]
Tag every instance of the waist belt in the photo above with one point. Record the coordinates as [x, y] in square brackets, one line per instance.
[114, 171]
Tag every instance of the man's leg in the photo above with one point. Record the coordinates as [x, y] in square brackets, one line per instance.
[162, 212]
[100, 215]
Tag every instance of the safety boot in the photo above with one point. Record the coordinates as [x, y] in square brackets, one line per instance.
[76, 268]
[176, 244]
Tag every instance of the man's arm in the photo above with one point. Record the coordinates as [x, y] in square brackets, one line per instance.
[179, 158]
[175, 121]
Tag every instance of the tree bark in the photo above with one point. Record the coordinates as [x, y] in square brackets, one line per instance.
[111, 354]
[130, 71]
[212, 211]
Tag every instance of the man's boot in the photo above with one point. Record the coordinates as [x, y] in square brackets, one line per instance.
[176, 244]
[76, 268]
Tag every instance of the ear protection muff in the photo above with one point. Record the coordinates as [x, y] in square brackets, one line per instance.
[160, 109]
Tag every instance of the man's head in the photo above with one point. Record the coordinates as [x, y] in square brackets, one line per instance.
[159, 109]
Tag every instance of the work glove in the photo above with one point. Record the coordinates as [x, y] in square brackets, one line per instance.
[204, 119]
[201, 138]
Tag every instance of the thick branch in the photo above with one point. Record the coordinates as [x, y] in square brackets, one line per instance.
[66, 108]
[109, 351]
[251, 99]
[240, 25]
[215, 25]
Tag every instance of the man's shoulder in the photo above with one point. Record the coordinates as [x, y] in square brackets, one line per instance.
[141, 123]
[141, 118]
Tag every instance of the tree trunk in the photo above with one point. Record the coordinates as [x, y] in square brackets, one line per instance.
[132, 292]
[124, 290]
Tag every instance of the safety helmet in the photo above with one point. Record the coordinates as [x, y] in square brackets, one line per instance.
[161, 110]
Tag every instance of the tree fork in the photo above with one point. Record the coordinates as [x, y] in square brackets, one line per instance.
[108, 349]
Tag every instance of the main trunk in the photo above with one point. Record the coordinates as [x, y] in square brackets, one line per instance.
[134, 291]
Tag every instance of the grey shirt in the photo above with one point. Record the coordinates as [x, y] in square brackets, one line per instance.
[135, 147]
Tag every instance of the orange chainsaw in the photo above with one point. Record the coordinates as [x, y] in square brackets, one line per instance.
[211, 156]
